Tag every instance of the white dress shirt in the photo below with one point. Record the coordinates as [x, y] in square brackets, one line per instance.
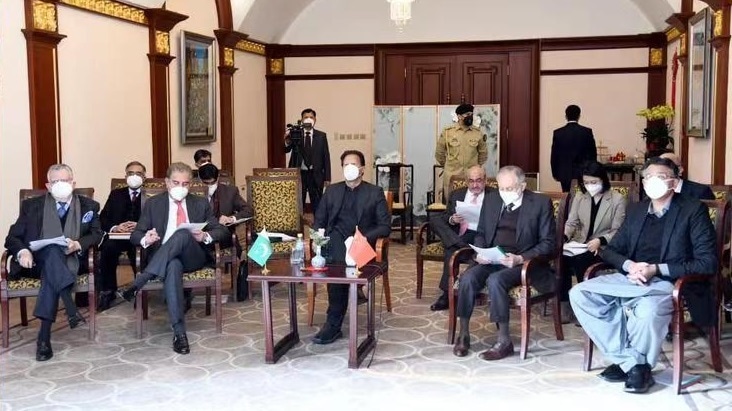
[469, 199]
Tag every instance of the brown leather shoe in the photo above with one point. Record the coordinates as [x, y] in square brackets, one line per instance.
[499, 351]
[461, 348]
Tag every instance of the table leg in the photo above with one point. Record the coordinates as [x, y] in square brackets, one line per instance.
[358, 352]
[353, 326]
[267, 318]
[272, 351]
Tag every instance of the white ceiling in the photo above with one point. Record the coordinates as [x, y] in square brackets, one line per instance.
[269, 20]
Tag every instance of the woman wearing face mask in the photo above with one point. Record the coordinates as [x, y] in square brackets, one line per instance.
[595, 215]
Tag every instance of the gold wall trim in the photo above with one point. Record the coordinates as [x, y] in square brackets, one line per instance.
[277, 66]
[672, 34]
[162, 42]
[718, 21]
[655, 57]
[44, 16]
[228, 57]
[250, 47]
[110, 8]
[682, 46]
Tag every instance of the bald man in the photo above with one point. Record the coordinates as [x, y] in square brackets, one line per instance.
[687, 187]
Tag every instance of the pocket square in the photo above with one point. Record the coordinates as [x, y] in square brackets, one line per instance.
[87, 217]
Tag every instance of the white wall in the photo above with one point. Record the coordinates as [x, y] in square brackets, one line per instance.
[250, 115]
[15, 145]
[367, 21]
[104, 97]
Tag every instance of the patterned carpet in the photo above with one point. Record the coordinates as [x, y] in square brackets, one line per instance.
[413, 367]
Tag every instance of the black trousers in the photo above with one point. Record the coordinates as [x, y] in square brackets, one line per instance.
[566, 185]
[55, 276]
[109, 260]
[499, 279]
[310, 186]
[467, 238]
[575, 267]
[180, 254]
[335, 253]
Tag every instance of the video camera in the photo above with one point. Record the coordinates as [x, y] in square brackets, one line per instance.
[296, 132]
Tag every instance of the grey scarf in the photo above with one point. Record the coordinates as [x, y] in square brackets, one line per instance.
[52, 226]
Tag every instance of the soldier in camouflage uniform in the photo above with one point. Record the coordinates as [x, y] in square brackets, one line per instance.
[460, 147]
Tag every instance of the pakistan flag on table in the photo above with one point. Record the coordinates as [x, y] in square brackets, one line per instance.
[261, 249]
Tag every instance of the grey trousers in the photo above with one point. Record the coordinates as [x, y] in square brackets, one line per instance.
[499, 280]
[628, 322]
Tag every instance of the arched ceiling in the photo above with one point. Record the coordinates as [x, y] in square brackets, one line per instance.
[268, 20]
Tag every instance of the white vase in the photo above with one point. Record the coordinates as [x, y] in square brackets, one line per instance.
[318, 261]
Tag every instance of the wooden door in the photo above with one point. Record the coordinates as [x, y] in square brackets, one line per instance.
[483, 78]
[429, 79]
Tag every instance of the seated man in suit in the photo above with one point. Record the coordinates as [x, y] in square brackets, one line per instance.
[172, 252]
[201, 157]
[454, 231]
[119, 215]
[688, 187]
[522, 224]
[226, 202]
[58, 213]
[627, 313]
[344, 206]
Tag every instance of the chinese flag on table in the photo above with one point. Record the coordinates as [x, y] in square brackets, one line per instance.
[361, 250]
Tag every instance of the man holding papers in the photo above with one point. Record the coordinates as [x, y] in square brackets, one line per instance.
[172, 251]
[457, 226]
[226, 202]
[59, 215]
[521, 223]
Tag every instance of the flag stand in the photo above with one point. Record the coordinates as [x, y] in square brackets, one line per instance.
[265, 271]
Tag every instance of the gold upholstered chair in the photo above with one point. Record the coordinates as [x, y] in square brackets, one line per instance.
[22, 288]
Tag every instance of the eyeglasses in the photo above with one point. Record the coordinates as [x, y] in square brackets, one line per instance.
[135, 173]
[661, 176]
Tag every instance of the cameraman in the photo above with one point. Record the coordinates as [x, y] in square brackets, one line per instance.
[309, 148]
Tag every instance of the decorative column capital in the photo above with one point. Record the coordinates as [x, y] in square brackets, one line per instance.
[160, 22]
[655, 57]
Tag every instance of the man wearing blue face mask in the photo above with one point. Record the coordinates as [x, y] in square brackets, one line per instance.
[662, 239]
[344, 206]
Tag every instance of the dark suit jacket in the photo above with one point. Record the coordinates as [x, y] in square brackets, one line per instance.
[688, 246]
[572, 146]
[29, 225]
[535, 231]
[320, 159]
[696, 190]
[119, 208]
[230, 202]
[372, 214]
[155, 215]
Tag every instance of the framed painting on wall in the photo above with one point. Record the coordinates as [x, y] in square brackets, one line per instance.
[699, 95]
[198, 88]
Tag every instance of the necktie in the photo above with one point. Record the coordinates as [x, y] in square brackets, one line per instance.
[133, 196]
[61, 209]
[308, 148]
[181, 216]
[509, 207]
[464, 224]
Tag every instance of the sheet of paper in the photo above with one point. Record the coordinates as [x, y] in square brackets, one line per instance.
[38, 244]
[284, 237]
[470, 212]
[573, 248]
[239, 221]
[489, 254]
[191, 226]
[119, 236]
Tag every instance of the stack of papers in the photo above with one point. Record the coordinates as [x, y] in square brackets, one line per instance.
[38, 244]
[281, 236]
[470, 212]
[191, 226]
[493, 254]
[119, 236]
[239, 221]
[574, 248]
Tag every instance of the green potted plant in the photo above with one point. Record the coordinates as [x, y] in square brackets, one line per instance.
[657, 133]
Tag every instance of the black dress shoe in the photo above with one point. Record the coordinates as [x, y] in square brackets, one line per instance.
[106, 298]
[499, 351]
[613, 373]
[43, 351]
[461, 348]
[128, 294]
[327, 335]
[76, 320]
[441, 304]
[180, 344]
[639, 379]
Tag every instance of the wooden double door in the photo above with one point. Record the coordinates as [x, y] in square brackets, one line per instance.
[483, 73]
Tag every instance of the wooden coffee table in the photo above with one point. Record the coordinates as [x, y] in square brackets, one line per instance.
[280, 271]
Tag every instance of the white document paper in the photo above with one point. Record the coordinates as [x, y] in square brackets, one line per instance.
[492, 254]
[284, 237]
[573, 248]
[470, 212]
[239, 221]
[38, 244]
[119, 236]
[191, 226]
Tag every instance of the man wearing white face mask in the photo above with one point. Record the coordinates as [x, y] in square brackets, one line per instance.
[171, 252]
[58, 213]
[312, 157]
[119, 215]
[346, 205]
[627, 313]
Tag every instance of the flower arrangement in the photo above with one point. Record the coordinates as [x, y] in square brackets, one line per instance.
[318, 237]
[657, 134]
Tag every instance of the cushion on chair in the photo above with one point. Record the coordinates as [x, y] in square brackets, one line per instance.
[436, 250]
[206, 273]
[436, 207]
[32, 283]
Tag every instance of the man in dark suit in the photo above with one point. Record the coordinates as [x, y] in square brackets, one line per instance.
[572, 146]
[312, 157]
[627, 314]
[201, 157]
[172, 252]
[58, 213]
[346, 205]
[522, 224]
[454, 231]
[119, 216]
[688, 187]
[225, 200]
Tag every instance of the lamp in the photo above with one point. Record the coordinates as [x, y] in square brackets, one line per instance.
[401, 12]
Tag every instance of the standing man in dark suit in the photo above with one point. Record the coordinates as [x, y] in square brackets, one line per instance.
[522, 224]
[572, 146]
[119, 215]
[452, 228]
[346, 205]
[627, 314]
[312, 157]
[688, 187]
[58, 213]
[226, 202]
[172, 252]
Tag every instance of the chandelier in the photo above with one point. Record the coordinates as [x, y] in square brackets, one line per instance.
[401, 12]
